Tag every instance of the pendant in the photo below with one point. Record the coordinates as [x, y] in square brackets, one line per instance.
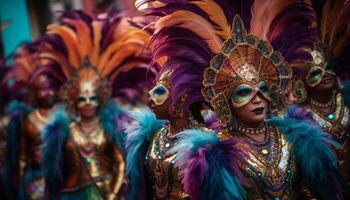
[88, 160]
[265, 151]
[330, 116]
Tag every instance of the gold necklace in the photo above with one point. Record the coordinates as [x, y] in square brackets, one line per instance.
[250, 131]
[323, 105]
[41, 118]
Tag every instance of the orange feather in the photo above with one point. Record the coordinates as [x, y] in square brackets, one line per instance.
[195, 23]
[83, 33]
[97, 27]
[119, 56]
[70, 40]
[263, 12]
[217, 15]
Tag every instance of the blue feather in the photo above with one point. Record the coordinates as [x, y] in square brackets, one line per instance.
[18, 107]
[55, 135]
[208, 166]
[137, 141]
[111, 122]
[312, 149]
[17, 111]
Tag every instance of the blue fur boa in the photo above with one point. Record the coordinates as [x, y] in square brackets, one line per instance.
[313, 153]
[137, 142]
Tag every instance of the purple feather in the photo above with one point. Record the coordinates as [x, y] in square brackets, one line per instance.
[292, 31]
[300, 113]
[201, 156]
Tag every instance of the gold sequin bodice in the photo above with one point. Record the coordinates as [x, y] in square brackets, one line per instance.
[269, 168]
[160, 164]
[91, 160]
[337, 125]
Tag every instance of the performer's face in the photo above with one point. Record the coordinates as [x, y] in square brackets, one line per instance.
[252, 113]
[46, 95]
[87, 101]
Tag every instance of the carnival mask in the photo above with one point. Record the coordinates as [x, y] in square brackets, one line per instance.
[245, 67]
[318, 67]
[316, 74]
[161, 92]
[244, 93]
[87, 94]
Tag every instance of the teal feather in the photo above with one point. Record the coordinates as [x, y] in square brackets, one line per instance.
[55, 135]
[17, 112]
[17, 106]
[313, 153]
[137, 142]
[111, 122]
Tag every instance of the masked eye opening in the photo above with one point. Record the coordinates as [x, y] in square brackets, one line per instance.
[263, 87]
[81, 99]
[159, 94]
[93, 98]
[160, 90]
[315, 75]
[242, 92]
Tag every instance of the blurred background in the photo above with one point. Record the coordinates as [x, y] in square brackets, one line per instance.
[24, 20]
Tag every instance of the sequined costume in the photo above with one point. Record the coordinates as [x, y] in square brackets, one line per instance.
[89, 53]
[150, 166]
[25, 126]
[317, 47]
[230, 164]
[92, 167]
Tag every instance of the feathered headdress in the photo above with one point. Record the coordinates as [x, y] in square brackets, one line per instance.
[110, 43]
[202, 35]
[24, 71]
[187, 35]
[306, 37]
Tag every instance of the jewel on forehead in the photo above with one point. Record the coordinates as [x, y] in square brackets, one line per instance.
[247, 71]
[317, 57]
[86, 87]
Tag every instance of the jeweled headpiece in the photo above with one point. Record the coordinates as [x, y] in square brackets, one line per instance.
[187, 35]
[244, 59]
